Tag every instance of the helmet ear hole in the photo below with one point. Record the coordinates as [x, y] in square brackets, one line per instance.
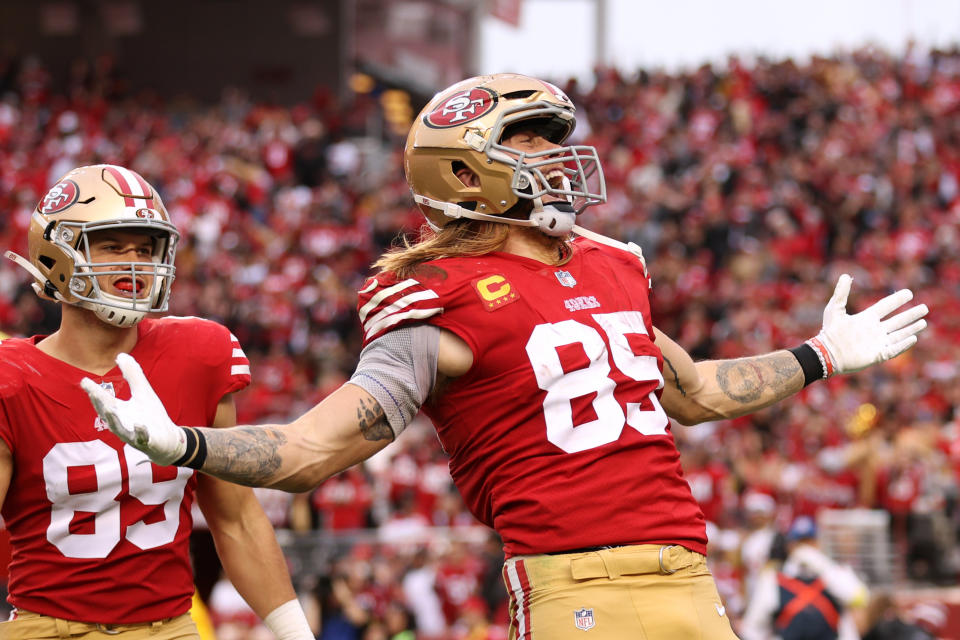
[47, 261]
[464, 174]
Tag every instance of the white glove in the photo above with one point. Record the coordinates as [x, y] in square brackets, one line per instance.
[851, 343]
[142, 420]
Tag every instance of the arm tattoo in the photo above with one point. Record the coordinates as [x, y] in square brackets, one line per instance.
[244, 455]
[747, 379]
[372, 421]
[676, 377]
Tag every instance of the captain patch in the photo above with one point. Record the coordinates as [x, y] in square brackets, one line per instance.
[495, 292]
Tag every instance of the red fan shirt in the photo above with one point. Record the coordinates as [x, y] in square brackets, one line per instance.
[556, 435]
[99, 533]
[709, 484]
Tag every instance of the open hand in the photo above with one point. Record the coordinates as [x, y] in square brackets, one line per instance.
[855, 342]
[141, 421]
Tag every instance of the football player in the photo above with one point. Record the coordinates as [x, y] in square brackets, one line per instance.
[534, 354]
[99, 534]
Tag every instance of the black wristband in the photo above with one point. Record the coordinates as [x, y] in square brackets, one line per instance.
[809, 362]
[196, 453]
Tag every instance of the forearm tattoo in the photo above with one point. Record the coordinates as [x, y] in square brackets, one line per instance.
[373, 422]
[244, 455]
[676, 378]
[746, 380]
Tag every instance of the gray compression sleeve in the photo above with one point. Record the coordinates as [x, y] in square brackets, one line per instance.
[399, 369]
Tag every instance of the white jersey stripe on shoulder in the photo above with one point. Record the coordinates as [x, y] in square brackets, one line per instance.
[240, 369]
[238, 353]
[399, 304]
[370, 287]
[379, 297]
[389, 321]
[234, 338]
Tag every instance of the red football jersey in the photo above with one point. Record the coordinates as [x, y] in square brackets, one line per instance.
[99, 533]
[556, 435]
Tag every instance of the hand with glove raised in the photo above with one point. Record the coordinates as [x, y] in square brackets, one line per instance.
[142, 421]
[849, 343]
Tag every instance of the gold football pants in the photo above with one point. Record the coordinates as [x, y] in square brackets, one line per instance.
[641, 592]
[34, 626]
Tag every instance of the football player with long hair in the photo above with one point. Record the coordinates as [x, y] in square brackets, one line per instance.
[528, 342]
[100, 536]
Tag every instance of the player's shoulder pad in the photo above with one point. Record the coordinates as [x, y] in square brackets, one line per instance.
[205, 340]
[386, 301]
[12, 375]
[629, 254]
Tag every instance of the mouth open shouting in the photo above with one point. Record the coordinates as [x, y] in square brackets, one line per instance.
[130, 287]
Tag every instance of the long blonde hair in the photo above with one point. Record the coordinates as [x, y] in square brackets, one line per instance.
[456, 239]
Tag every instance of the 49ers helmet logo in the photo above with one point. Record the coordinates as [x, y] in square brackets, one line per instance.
[60, 197]
[462, 107]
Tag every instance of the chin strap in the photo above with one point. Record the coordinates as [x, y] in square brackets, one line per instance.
[455, 211]
[32, 270]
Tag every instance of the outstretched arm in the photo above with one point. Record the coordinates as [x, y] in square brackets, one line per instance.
[397, 370]
[248, 548]
[347, 427]
[716, 389]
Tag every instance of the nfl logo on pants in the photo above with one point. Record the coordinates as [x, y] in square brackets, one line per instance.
[584, 619]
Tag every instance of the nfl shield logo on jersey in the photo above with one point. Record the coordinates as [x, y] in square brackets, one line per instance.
[565, 278]
[99, 424]
[584, 619]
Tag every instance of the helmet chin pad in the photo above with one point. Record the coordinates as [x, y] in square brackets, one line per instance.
[122, 312]
[554, 218]
[115, 316]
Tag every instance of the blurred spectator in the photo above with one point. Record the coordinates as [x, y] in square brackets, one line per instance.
[885, 621]
[420, 594]
[759, 509]
[749, 188]
[808, 598]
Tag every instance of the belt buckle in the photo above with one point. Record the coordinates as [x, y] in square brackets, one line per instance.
[663, 569]
[107, 629]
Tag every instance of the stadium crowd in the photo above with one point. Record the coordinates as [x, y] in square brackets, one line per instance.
[750, 189]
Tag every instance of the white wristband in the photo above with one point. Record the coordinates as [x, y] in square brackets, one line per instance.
[288, 622]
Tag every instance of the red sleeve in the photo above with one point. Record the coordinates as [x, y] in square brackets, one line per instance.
[5, 432]
[385, 303]
[216, 352]
[10, 383]
[238, 376]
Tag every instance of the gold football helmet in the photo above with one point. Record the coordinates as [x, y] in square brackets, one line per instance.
[95, 198]
[464, 125]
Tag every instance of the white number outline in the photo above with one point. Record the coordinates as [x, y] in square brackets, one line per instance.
[104, 503]
[561, 388]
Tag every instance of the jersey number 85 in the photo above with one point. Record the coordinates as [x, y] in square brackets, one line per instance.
[562, 387]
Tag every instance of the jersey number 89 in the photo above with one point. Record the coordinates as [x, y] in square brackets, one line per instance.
[104, 503]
